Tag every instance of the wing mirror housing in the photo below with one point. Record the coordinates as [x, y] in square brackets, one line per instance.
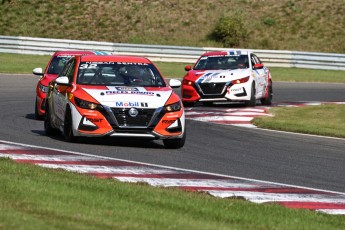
[38, 71]
[63, 80]
[174, 83]
[187, 68]
[258, 66]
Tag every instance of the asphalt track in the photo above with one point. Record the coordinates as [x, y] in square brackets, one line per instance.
[301, 160]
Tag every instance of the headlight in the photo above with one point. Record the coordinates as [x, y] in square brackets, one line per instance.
[241, 80]
[173, 107]
[187, 82]
[44, 89]
[85, 104]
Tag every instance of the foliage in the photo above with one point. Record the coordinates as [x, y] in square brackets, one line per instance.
[231, 30]
[283, 25]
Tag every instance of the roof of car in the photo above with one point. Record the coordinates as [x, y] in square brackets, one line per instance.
[115, 58]
[227, 53]
[79, 52]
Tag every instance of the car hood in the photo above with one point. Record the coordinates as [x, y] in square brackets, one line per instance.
[139, 97]
[47, 78]
[214, 76]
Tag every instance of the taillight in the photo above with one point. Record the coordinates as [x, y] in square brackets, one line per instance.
[239, 81]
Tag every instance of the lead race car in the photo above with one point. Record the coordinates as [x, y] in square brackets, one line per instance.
[227, 76]
[115, 96]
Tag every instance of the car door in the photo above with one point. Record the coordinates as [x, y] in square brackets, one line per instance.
[59, 94]
[260, 76]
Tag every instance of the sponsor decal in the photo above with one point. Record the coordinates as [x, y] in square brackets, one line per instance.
[234, 53]
[130, 104]
[95, 120]
[168, 121]
[207, 77]
[112, 92]
[236, 90]
[126, 89]
[172, 116]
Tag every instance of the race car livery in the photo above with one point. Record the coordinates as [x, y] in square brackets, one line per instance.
[52, 70]
[115, 96]
[227, 76]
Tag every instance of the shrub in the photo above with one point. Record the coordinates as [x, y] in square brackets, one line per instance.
[231, 30]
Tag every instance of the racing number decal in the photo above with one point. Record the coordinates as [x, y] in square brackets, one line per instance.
[88, 66]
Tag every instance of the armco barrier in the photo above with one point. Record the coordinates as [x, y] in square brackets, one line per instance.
[182, 54]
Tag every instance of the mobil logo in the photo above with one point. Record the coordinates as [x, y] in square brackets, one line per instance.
[127, 104]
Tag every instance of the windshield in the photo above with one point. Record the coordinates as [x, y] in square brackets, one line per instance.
[119, 73]
[57, 64]
[222, 62]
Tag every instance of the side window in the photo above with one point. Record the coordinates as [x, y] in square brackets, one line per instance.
[68, 69]
[258, 61]
[253, 60]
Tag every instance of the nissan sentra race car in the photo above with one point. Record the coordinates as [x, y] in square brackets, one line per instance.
[115, 96]
[227, 76]
[53, 68]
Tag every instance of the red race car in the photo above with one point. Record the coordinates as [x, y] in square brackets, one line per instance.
[114, 96]
[53, 68]
[227, 76]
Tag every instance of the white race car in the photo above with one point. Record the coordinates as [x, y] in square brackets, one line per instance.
[233, 76]
[115, 96]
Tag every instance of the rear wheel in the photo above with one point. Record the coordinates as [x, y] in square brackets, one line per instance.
[175, 143]
[48, 128]
[252, 101]
[68, 131]
[268, 99]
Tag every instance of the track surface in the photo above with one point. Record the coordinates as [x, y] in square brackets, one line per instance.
[236, 151]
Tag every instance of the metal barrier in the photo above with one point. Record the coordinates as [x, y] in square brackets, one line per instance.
[182, 54]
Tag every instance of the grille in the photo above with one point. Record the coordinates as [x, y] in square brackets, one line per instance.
[124, 119]
[212, 88]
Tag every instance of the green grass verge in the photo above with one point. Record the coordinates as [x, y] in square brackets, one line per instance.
[24, 64]
[32, 197]
[325, 120]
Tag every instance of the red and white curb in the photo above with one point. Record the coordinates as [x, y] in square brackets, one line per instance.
[216, 185]
[239, 116]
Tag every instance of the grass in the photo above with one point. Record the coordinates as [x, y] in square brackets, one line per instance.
[32, 197]
[325, 120]
[24, 64]
[286, 25]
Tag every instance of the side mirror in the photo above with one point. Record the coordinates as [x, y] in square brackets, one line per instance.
[258, 66]
[63, 80]
[174, 83]
[38, 71]
[187, 67]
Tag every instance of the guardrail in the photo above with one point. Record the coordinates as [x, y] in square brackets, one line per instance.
[182, 54]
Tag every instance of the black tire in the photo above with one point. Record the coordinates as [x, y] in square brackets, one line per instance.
[207, 103]
[252, 101]
[68, 131]
[37, 115]
[268, 100]
[175, 143]
[48, 128]
[188, 104]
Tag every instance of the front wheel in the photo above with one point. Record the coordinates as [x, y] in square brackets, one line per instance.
[188, 104]
[175, 143]
[68, 130]
[48, 128]
[252, 100]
